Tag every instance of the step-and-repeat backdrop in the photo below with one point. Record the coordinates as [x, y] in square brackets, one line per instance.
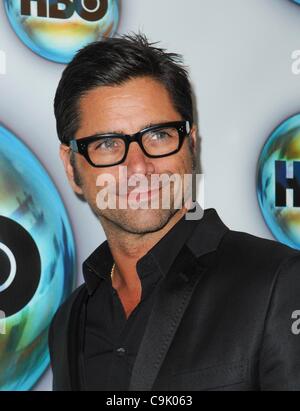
[244, 63]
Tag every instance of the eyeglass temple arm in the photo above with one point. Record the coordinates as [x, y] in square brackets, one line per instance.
[188, 127]
[74, 146]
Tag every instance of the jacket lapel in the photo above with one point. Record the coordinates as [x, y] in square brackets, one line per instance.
[172, 298]
[171, 301]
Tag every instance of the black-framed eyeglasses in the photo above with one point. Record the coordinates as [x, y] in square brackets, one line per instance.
[106, 150]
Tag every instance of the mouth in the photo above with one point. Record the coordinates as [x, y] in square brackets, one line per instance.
[139, 194]
[146, 195]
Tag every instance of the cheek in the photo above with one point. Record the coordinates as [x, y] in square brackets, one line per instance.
[88, 176]
[107, 180]
[188, 156]
[179, 163]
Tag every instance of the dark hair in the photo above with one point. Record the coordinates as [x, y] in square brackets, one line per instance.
[113, 61]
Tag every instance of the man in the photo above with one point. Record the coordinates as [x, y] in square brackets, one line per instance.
[168, 302]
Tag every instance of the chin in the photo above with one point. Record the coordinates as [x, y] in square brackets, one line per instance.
[141, 221]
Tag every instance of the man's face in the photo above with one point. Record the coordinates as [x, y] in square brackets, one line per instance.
[127, 109]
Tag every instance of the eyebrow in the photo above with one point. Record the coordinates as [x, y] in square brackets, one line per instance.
[99, 133]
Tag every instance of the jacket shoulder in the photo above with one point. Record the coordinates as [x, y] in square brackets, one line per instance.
[255, 256]
[253, 245]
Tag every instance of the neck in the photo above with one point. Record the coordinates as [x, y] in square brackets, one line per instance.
[127, 248]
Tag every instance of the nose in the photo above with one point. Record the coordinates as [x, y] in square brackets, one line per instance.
[137, 162]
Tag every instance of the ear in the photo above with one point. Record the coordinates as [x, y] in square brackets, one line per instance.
[193, 137]
[64, 153]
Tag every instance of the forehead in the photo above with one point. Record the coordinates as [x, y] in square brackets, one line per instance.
[127, 107]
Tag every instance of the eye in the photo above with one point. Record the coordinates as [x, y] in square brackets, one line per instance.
[159, 135]
[107, 144]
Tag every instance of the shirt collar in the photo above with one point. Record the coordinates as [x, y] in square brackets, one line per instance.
[167, 248]
[161, 256]
[97, 266]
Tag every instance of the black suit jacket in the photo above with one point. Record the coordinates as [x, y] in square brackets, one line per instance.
[223, 319]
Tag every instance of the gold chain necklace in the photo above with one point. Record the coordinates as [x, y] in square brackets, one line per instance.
[112, 270]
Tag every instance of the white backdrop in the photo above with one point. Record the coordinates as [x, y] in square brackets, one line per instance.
[239, 53]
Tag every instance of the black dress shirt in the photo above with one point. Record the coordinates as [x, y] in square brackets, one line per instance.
[111, 341]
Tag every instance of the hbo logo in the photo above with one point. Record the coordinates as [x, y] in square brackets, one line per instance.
[90, 10]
